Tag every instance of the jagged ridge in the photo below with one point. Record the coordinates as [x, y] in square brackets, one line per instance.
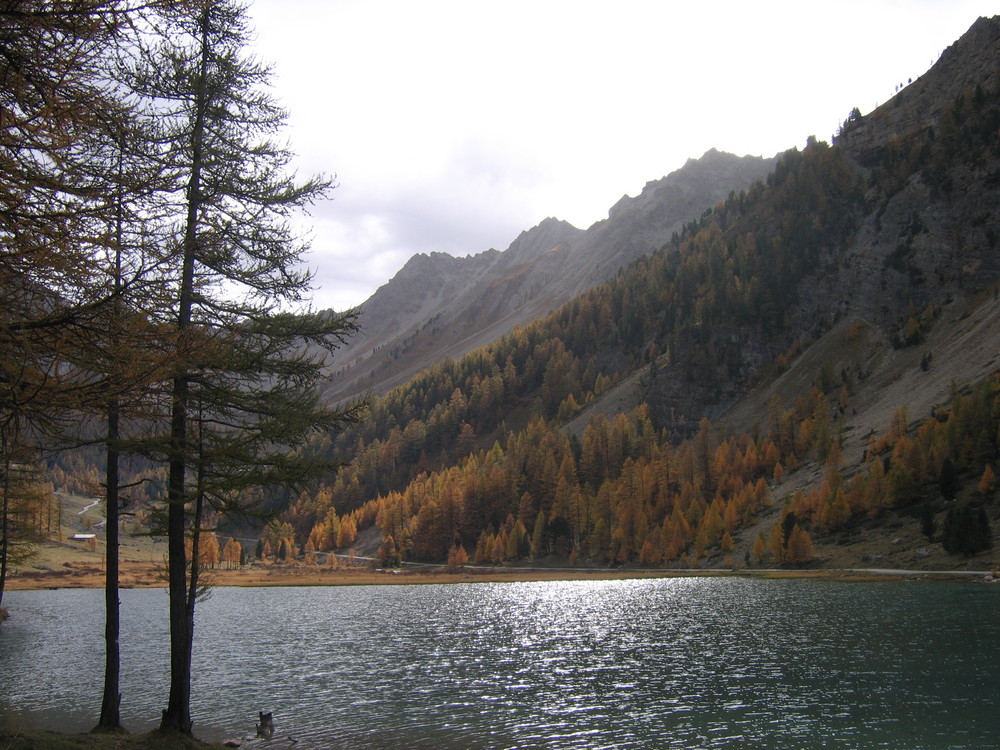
[441, 306]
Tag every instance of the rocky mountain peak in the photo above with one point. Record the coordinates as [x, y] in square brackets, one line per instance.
[696, 178]
[549, 233]
[421, 262]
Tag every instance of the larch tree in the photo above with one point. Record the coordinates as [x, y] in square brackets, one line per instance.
[987, 481]
[22, 493]
[243, 395]
[234, 554]
[759, 549]
[776, 543]
[63, 190]
[57, 190]
[128, 349]
[799, 546]
[46, 217]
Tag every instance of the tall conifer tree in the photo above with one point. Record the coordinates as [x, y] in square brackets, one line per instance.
[248, 366]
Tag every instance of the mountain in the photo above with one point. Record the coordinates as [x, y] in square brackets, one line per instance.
[440, 306]
[807, 370]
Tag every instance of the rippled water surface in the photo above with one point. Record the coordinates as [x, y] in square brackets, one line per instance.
[692, 663]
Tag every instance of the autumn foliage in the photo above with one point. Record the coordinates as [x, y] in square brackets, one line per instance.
[620, 494]
[624, 493]
[913, 463]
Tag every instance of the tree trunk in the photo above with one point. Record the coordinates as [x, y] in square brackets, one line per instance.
[4, 525]
[110, 717]
[110, 706]
[177, 716]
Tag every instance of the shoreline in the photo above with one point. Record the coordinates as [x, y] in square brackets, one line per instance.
[146, 575]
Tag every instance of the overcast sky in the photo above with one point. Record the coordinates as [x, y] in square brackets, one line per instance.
[453, 126]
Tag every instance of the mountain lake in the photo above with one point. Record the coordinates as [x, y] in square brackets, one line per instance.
[655, 663]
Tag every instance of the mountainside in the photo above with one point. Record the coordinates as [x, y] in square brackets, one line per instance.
[922, 233]
[809, 369]
[441, 306]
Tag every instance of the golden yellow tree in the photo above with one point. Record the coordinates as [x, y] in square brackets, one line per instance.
[232, 554]
[457, 556]
[310, 553]
[210, 553]
[348, 532]
[799, 549]
[759, 548]
[776, 543]
[727, 543]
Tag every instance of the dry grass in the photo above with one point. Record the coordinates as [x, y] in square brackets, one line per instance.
[148, 575]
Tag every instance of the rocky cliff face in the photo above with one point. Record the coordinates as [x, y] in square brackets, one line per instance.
[438, 306]
[931, 159]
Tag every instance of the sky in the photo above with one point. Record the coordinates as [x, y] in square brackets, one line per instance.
[453, 126]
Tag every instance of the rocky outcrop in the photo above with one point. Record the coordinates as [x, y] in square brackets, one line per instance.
[640, 225]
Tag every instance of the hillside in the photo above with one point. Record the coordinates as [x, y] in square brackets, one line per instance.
[963, 347]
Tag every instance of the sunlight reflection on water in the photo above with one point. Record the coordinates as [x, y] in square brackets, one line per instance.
[686, 662]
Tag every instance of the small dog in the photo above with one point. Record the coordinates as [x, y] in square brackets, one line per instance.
[266, 726]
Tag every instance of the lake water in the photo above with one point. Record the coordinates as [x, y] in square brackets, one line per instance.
[686, 662]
